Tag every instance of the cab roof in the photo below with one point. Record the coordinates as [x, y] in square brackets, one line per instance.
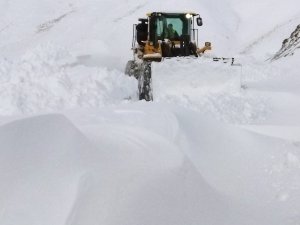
[170, 13]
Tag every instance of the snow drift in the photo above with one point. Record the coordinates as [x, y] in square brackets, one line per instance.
[50, 79]
[154, 173]
[42, 162]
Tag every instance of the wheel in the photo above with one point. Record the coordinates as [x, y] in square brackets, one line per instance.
[166, 50]
[193, 49]
[184, 45]
[145, 82]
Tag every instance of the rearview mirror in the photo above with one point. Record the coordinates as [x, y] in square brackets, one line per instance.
[199, 21]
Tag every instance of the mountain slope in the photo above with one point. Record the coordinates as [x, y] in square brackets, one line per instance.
[289, 45]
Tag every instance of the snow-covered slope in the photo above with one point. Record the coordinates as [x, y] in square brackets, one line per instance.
[289, 45]
[76, 147]
[166, 169]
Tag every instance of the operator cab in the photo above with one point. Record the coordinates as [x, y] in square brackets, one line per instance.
[168, 35]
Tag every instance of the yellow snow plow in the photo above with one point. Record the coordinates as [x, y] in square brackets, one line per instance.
[160, 36]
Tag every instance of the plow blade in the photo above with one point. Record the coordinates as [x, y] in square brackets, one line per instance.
[192, 78]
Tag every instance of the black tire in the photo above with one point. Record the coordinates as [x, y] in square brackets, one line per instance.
[145, 82]
[166, 50]
[184, 45]
[193, 49]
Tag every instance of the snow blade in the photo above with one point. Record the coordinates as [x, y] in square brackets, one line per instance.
[193, 77]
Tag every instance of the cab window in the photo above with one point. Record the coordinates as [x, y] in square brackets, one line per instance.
[177, 24]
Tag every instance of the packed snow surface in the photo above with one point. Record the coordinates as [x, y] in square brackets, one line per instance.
[219, 144]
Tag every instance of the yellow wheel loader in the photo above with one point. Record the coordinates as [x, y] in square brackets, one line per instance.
[162, 35]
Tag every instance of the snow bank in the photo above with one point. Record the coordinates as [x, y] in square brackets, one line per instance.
[42, 160]
[213, 173]
[165, 168]
[244, 163]
[144, 164]
[58, 176]
[214, 88]
[50, 79]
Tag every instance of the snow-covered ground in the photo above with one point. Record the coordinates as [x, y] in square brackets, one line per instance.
[219, 144]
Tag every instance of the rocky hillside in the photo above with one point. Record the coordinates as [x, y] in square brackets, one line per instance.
[289, 45]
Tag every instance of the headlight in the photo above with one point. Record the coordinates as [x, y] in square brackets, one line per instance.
[188, 16]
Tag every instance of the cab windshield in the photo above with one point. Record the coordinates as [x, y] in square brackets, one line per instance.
[177, 24]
